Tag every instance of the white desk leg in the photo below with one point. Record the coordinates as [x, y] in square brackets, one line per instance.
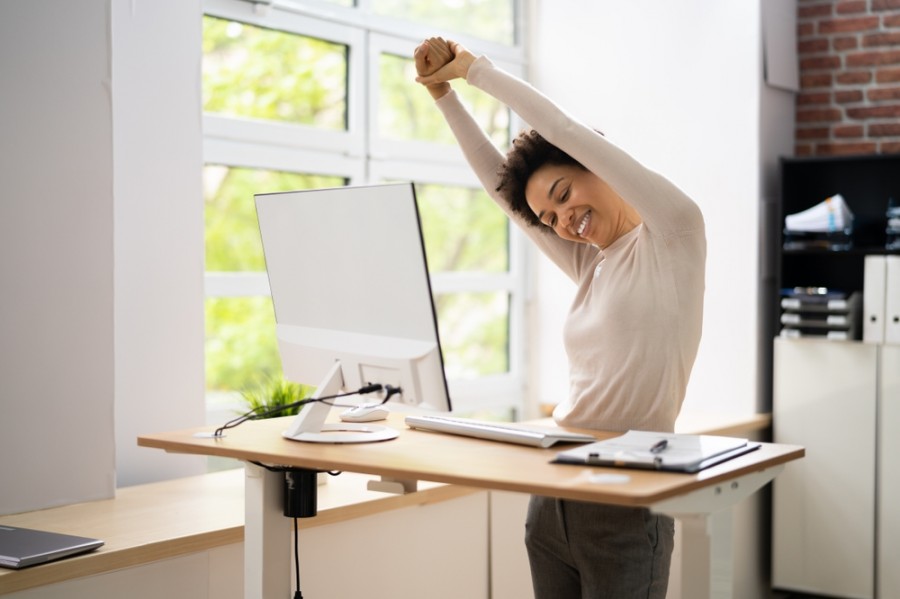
[707, 560]
[707, 547]
[267, 536]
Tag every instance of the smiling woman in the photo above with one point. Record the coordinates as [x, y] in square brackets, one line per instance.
[635, 246]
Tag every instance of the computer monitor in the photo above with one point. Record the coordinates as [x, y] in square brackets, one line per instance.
[353, 302]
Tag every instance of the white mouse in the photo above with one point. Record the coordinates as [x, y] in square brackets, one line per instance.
[365, 413]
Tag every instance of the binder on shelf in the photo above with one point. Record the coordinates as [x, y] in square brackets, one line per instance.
[874, 290]
[892, 300]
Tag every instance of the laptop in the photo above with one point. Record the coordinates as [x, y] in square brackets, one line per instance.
[23, 547]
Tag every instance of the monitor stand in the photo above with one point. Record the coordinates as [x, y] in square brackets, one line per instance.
[309, 425]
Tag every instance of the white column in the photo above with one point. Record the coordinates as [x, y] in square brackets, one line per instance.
[267, 536]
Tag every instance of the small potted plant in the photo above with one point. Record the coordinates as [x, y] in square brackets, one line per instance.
[275, 393]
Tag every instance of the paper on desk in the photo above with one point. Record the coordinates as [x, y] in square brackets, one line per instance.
[684, 453]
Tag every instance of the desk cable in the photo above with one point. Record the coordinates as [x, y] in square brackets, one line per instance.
[255, 414]
[288, 471]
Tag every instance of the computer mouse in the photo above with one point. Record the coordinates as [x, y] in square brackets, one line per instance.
[365, 413]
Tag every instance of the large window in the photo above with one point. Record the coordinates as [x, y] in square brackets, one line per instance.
[307, 94]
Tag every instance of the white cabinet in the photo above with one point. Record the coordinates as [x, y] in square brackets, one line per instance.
[437, 550]
[835, 513]
[889, 473]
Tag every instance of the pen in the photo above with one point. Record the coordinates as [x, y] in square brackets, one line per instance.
[659, 446]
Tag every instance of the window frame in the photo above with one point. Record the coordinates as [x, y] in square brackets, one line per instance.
[359, 155]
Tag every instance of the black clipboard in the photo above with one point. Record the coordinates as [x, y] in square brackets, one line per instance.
[651, 450]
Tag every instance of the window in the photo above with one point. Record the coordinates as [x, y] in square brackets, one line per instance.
[299, 95]
[492, 20]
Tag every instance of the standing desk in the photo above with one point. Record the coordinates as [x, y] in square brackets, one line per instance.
[701, 501]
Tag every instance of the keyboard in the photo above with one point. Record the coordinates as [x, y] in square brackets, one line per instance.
[494, 431]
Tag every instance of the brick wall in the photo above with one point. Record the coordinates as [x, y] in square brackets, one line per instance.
[849, 102]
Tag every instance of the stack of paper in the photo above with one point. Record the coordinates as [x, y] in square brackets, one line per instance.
[828, 225]
[825, 217]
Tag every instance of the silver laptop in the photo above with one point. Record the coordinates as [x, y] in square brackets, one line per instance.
[23, 547]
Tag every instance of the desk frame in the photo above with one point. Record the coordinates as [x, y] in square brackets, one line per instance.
[702, 502]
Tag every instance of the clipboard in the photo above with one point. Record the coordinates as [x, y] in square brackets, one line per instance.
[658, 451]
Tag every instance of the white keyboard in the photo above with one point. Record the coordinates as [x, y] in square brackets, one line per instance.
[494, 431]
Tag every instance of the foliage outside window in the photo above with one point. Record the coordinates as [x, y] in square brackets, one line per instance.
[273, 75]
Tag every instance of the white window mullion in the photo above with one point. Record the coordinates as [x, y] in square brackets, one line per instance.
[281, 135]
[457, 174]
[236, 284]
[251, 155]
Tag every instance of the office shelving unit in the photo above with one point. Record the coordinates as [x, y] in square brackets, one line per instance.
[836, 523]
[866, 182]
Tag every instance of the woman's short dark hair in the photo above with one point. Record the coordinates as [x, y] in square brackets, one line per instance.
[529, 151]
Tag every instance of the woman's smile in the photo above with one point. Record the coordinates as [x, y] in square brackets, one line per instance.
[583, 225]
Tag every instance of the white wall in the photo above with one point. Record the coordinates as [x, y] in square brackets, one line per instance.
[56, 254]
[157, 135]
[101, 331]
[677, 84]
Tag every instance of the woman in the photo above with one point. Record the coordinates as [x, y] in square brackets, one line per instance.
[635, 246]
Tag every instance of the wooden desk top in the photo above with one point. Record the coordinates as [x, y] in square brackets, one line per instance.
[464, 461]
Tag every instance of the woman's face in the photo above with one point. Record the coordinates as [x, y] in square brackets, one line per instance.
[574, 202]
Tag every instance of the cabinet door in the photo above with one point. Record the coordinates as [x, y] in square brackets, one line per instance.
[510, 571]
[437, 550]
[824, 505]
[889, 473]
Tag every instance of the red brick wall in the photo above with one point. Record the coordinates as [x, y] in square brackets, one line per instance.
[849, 101]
